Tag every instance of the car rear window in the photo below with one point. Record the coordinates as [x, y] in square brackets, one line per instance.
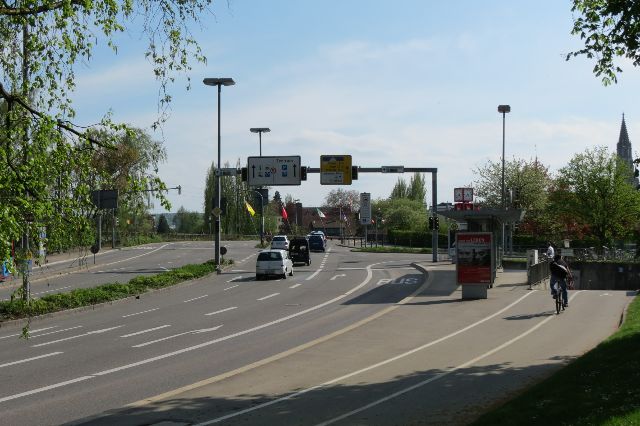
[270, 255]
[278, 238]
[315, 238]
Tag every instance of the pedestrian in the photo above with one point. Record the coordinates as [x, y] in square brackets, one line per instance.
[550, 251]
[560, 273]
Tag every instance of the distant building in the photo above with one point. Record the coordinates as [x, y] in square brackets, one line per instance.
[623, 148]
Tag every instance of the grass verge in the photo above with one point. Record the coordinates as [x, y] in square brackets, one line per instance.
[599, 388]
[17, 308]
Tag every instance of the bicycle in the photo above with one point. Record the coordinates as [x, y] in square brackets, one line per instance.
[560, 302]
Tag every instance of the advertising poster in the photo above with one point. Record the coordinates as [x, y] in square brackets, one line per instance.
[473, 264]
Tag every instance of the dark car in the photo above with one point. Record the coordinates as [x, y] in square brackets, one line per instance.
[316, 242]
[299, 250]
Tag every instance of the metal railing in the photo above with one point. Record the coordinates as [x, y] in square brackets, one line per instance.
[537, 273]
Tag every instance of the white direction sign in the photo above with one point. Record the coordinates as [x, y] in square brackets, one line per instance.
[365, 208]
[273, 171]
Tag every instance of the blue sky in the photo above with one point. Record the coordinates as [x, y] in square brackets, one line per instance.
[412, 83]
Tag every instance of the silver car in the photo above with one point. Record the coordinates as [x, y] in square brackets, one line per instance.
[273, 263]
[280, 242]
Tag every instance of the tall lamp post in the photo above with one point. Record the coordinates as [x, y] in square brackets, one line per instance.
[260, 131]
[218, 82]
[504, 109]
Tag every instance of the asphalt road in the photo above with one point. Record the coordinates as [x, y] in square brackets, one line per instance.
[352, 339]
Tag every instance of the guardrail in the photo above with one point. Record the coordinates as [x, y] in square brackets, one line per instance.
[537, 273]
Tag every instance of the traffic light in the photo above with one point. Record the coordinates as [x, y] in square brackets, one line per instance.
[245, 174]
[354, 172]
[303, 173]
[436, 222]
[431, 223]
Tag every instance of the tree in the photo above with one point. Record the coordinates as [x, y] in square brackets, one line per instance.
[593, 193]
[343, 198]
[400, 189]
[42, 152]
[163, 225]
[401, 213]
[417, 190]
[610, 29]
[188, 222]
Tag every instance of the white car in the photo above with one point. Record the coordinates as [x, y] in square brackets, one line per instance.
[280, 242]
[273, 262]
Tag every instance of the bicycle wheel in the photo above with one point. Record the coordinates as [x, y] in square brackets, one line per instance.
[558, 302]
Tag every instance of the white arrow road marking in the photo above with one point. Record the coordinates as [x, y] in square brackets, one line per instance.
[203, 330]
[104, 330]
[337, 276]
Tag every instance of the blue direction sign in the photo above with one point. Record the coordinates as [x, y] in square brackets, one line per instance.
[273, 171]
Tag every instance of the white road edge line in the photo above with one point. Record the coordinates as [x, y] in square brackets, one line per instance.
[30, 359]
[195, 347]
[203, 330]
[444, 373]
[371, 367]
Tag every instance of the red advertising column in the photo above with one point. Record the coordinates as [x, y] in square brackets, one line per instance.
[473, 263]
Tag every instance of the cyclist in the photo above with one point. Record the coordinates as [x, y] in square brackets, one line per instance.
[559, 273]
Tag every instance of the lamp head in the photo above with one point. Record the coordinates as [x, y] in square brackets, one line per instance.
[504, 108]
[219, 81]
[259, 130]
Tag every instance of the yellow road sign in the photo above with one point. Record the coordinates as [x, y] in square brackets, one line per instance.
[335, 170]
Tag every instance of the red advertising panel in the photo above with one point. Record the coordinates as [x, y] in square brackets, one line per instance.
[473, 252]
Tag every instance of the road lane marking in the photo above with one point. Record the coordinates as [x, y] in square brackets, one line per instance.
[57, 331]
[146, 331]
[139, 313]
[30, 359]
[52, 290]
[222, 310]
[236, 278]
[444, 373]
[337, 276]
[104, 330]
[34, 331]
[45, 388]
[203, 330]
[269, 296]
[295, 285]
[196, 298]
[195, 347]
[233, 286]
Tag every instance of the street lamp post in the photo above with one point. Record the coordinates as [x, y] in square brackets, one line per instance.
[260, 131]
[504, 109]
[219, 82]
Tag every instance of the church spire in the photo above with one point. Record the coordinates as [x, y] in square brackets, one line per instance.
[624, 144]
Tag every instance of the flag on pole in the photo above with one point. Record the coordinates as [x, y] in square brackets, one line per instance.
[285, 216]
[322, 216]
[250, 209]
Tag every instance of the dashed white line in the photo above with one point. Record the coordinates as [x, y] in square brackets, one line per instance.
[269, 296]
[30, 359]
[104, 330]
[34, 331]
[196, 298]
[139, 313]
[57, 331]
[146, 331]
[222, 310]
[295, 285]
[233, 286]
[203, 330]
[234, 279]
[52, 290]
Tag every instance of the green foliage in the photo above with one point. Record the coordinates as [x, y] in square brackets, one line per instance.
[77, 298]
[594, 194]
[163, 225]
[601, 387]
[399, 190]
[610, 29]
[188, 222]
[401, 214]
